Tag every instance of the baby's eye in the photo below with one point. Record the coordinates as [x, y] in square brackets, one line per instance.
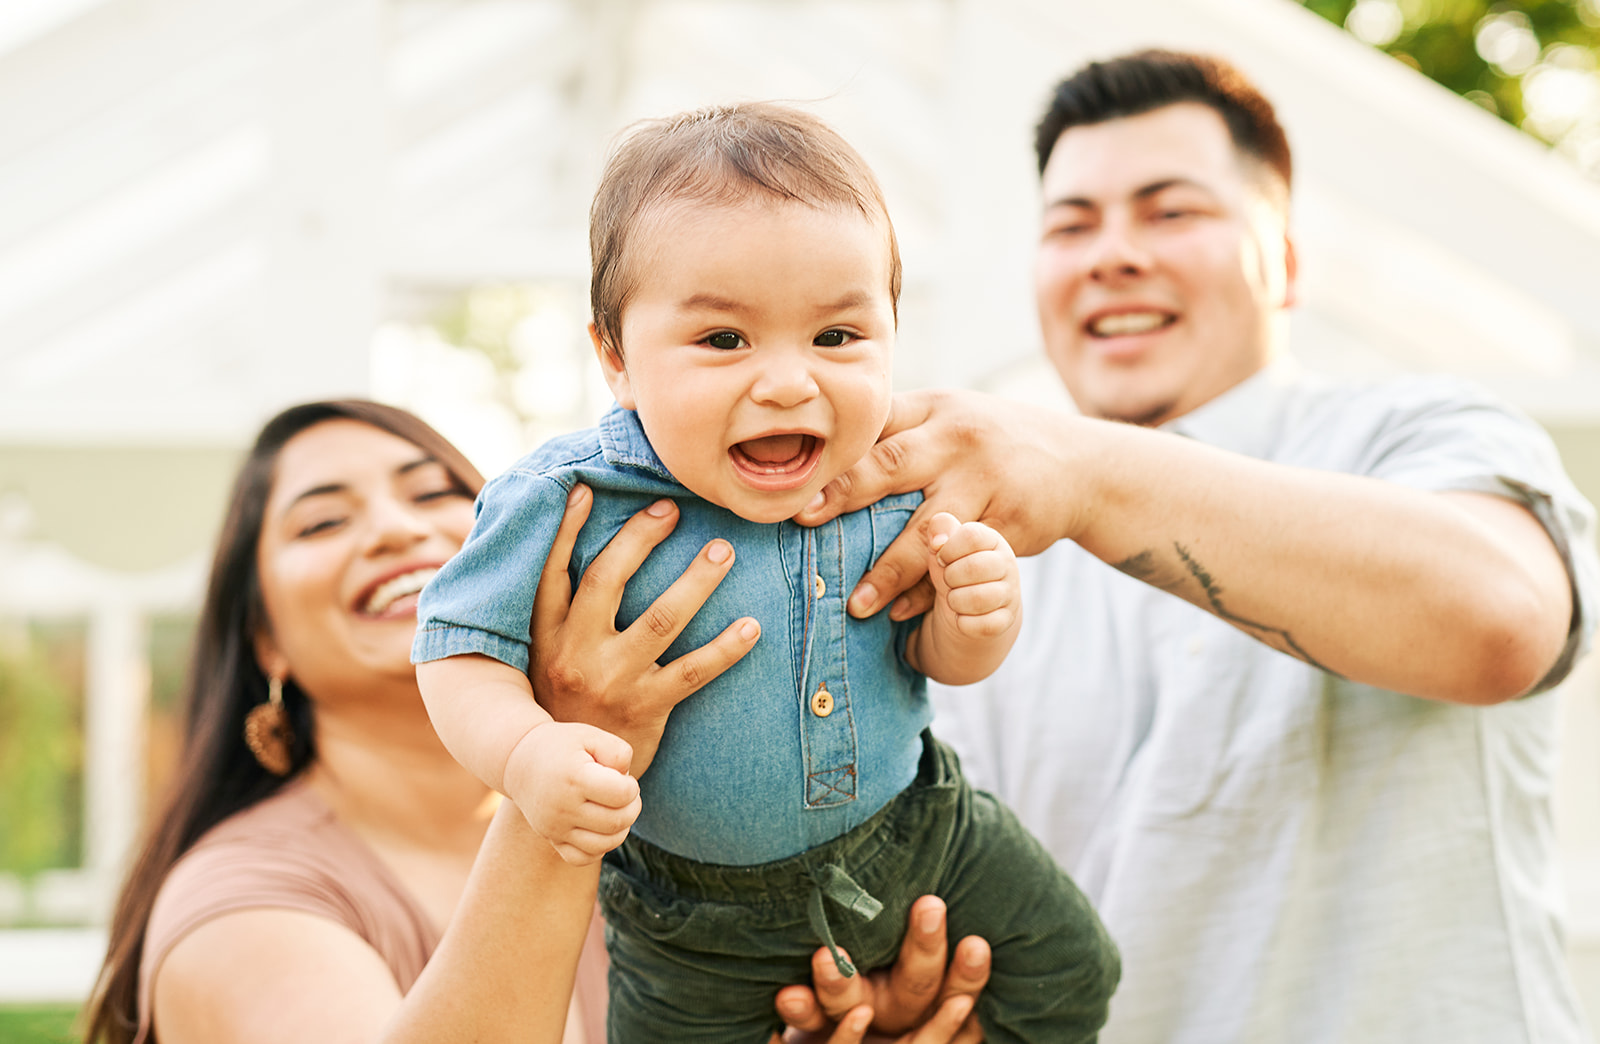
[726, 340]
[832, 339]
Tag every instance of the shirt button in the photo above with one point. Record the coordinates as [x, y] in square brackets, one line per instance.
[822, 701]
[817, 584]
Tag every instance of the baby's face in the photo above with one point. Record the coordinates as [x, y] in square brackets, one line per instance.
[756, 349]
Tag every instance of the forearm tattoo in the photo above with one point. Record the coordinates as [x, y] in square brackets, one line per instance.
[1180, 578]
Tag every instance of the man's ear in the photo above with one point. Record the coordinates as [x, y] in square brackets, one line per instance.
[1291, 273]
[614, 369]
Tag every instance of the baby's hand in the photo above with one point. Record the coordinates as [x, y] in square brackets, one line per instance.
[974, 575]
[571, 782]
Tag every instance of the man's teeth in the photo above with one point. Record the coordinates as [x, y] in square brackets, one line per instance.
[391, 590]
[1127, 323]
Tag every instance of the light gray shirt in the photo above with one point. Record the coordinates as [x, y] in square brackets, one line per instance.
[1280, 854]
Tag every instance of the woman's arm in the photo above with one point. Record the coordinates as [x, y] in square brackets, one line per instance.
[503, 972]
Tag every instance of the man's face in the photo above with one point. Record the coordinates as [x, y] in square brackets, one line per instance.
[1162, 264]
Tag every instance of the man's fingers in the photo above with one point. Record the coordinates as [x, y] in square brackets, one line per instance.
[919, 971]
[969, 970]
[914, 602]
[659, 626]
[600, 590]
[900, 566]
[691, 671]
[895, 465]
[798, 1008]
[835, 993]
[949, 1025]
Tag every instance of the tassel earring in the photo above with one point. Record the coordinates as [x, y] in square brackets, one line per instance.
[266, 731]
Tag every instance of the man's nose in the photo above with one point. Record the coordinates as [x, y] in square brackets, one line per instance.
[1117, 252]
[785, 379]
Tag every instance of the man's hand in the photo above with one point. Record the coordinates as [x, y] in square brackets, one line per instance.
[919, 997]
[975, 456]
[571, 782]
[583, 669]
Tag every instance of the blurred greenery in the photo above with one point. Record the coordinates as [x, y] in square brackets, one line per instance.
[41, 746]
[37, 1024]
[1498, 55]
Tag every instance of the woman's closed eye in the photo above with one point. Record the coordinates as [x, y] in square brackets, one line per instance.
[318, 526]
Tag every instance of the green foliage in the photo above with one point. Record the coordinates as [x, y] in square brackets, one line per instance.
[1445, 40]
[41, 751]
[37, 1024]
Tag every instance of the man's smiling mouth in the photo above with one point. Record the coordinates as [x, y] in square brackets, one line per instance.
[1124, 324]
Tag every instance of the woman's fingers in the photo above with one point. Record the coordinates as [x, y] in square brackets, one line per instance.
[554, 594]
[690, 672]
[659, 626]
[594, 605]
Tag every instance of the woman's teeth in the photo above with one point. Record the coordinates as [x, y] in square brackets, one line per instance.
[392, 590]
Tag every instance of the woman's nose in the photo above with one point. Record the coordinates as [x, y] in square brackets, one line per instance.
[393, 525]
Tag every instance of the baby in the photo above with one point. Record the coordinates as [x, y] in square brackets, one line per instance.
[744, 293]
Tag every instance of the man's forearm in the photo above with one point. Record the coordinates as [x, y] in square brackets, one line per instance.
[1457, 597]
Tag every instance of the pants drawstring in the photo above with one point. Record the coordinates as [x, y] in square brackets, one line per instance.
[832, 881]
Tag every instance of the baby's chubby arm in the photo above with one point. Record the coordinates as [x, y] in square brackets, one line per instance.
[977, 609]
[570, 780]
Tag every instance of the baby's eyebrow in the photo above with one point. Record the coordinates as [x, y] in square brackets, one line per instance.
[710, 302]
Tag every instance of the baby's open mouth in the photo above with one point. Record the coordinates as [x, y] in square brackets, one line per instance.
[776, 462]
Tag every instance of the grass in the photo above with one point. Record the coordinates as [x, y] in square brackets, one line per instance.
[37, 1023]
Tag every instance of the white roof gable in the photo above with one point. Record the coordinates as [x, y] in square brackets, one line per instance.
[207, 206]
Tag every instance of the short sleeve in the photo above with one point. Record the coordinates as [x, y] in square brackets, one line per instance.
[1448, 436]
[482, 600]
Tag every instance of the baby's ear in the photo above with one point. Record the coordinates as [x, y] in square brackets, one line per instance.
[614, 369]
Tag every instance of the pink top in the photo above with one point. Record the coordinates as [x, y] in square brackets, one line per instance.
[289, 852]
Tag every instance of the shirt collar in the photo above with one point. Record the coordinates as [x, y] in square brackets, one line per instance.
[1246, 418]
[624, 443]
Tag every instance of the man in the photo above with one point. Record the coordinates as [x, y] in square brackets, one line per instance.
[1309, 794]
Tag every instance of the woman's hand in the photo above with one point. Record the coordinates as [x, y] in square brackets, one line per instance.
[583, 669]
[919, 997]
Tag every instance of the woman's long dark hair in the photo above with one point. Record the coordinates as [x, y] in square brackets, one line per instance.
[217, 775]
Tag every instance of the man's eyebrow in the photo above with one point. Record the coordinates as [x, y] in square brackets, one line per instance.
[1143, 192]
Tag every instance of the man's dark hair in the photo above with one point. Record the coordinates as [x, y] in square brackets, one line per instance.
[1147, 80]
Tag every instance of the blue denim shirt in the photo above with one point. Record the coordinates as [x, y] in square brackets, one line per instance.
[748, 770]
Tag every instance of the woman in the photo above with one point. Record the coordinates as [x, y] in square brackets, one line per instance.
[296, 884]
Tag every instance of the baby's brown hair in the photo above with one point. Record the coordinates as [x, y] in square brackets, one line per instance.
[724, 155]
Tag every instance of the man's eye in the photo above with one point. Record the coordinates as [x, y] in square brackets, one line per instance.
[832, 339]
[726, 340]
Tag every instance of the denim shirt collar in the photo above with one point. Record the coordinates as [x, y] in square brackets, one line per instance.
[624, 443]
[1246, 418]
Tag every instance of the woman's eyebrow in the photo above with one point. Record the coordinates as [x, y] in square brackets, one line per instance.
[317, 491]
[406, 469]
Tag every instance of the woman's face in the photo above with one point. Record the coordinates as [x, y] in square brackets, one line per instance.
[357, 521]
